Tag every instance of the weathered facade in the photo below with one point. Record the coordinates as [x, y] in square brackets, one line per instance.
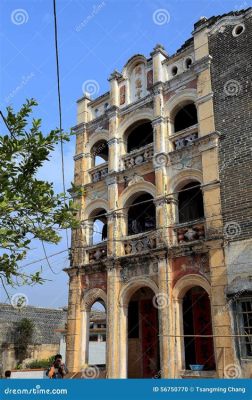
[162, 200]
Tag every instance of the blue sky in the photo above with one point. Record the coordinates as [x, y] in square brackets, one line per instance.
[95, 37]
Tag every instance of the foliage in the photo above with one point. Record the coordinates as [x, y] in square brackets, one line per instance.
[23, 337]
[43, 363]
[29, 208]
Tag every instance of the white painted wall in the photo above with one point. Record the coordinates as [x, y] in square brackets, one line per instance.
[29, 374]
[97, 353]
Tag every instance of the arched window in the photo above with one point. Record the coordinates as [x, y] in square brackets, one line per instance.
[141, 215]
[190, 203]
[139, 135]
[185, 117]
[99, 153]
[197, 324]
[100, 226]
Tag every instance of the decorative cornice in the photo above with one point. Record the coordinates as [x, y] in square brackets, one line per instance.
[80, 128]
[159, 48]
[79, 156]
[157, 88]
[115, 75]
[135, 105]
[229, 20]
[158, 120]
[205, 98]
[111, 179]
[112, 112]
[210, 186]
[114, 141]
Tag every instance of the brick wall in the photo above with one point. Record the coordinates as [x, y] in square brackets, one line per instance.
[231, 72]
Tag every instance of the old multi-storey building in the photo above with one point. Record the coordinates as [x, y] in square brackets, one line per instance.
[165, 200]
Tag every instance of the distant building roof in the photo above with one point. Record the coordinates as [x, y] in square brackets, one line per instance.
[46, 323]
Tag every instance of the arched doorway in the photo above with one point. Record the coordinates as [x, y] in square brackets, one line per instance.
[97, 335]
[197, 325]
[143, 335]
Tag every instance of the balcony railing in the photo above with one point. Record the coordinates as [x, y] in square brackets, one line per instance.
[97, 252]
[141, 242]
[185, 137]
[99, 172]
[190, 231]
[139, 156]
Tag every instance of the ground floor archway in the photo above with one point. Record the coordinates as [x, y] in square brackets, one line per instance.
[143, 335]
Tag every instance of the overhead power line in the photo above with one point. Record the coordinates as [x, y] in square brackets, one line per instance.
[59, 103]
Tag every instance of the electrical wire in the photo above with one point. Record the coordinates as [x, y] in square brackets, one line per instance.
[59, 104]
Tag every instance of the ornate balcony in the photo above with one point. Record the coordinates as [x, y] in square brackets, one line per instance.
[141, 242]
[97, 252]
[185, 137]
[99, 172]
[139, 156]
[190, 231]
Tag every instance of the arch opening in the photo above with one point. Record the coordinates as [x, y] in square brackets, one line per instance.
[99, 153]
[185, 117]
[143, 335]
[141, 214]
[99, 226]
[190, 203]
[197, 326]
[97, 335]
[139, 135]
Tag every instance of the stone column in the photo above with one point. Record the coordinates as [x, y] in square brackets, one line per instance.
[114, 141]
[73, 339]
[158, 55]
[224, 345]
[85, 325]
[83, 114]
[113, 288]
[114, 88]
[165, 317]
[111, 182]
